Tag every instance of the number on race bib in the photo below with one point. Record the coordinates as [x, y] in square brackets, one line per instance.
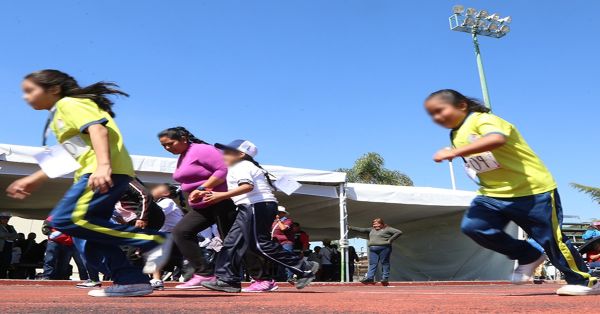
[482, 163]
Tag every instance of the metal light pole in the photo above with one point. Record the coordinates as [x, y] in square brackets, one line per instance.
[479, 23]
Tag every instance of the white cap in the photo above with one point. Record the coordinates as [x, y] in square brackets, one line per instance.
[243, 146]
[282, 209]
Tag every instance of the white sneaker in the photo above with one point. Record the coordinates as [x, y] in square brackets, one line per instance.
[158, 257]
[135, 290]
[576, 290]
[524, 273]
[157, 284]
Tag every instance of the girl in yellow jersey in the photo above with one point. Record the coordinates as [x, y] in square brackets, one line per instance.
[82, 117]
[514, 186]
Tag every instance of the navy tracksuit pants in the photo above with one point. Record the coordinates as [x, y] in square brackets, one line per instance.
[85, 214]
[540, 216]
[252, 231]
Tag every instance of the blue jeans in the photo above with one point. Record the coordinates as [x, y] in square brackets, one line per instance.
[56, 261]
[290, 248]
[540, 216]
[379, 254]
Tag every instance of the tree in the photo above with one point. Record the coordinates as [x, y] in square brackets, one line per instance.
[593, 192]
[370, 169]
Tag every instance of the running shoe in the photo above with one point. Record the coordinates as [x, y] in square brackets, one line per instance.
[195, 282]
[89, 284]
[524, 273]
[157, 284]
[262, 286]
[576, 290]
[159, 256]
[223, 286]
[367, 280]
[134, 290]
[309, 275]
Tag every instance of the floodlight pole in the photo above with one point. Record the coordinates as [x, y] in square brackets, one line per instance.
[482, 80]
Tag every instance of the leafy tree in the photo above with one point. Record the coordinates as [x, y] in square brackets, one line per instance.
[370, 169]
[593, 192]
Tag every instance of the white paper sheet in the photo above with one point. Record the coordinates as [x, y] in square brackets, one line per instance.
[287, 185]
[56, 162]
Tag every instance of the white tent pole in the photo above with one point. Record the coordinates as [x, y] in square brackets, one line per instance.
[452, 177]
[345, 276]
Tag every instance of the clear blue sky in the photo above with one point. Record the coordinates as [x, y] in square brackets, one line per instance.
[316, 84]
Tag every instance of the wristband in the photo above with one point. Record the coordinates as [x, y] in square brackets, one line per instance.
[201, 188]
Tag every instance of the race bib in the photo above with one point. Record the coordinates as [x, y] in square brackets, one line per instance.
[480, 163]
[75, 146]
[56, 161]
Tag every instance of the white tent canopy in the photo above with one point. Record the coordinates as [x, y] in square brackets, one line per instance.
[432, 247]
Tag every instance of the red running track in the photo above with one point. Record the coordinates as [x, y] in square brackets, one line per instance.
[62, 297]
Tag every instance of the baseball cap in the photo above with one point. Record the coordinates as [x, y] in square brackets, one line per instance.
[243, 146]
[282, 209]
[5, 214]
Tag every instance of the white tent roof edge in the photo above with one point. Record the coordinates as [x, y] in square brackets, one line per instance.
[315, 182]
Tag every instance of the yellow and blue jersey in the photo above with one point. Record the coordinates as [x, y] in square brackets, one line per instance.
[512, 170]
[72, 117]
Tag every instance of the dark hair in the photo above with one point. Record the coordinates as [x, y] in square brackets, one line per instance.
[175, 193]
[69, 87]
[179, 133]
[455, 98]
[267, 174]
[380, 221]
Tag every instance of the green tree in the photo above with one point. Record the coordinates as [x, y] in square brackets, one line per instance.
[593, 192]
[370, 169]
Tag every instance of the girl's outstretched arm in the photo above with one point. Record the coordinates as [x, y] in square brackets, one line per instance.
[101, 178]
[22, 188]
[484, 144]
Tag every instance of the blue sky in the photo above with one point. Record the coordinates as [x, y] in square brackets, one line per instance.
[316, 84]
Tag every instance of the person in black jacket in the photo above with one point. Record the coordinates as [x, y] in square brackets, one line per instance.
[8, 235]
[137, 208]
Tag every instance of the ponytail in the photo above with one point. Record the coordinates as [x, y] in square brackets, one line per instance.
[455, 98]
[176, 193]
[267, 174]
[179, 133]
[69, 87]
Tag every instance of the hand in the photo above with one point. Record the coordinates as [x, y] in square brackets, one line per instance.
[197, 195]
[101, 180]
[141, 224]
[444, 154]
[214, 197]
[22, 188]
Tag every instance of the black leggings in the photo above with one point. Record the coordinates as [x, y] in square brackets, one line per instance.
[185, 233]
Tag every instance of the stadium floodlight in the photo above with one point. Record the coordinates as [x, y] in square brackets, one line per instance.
[482, 14]
[458, 9]
[481, 23]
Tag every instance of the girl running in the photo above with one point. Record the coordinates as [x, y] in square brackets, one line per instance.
[200, 168]
[515, 186]
[251, 190]
[84, 116]
[165, 195]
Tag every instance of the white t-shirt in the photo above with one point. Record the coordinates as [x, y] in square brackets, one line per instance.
[245, 172]
[173, 214]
